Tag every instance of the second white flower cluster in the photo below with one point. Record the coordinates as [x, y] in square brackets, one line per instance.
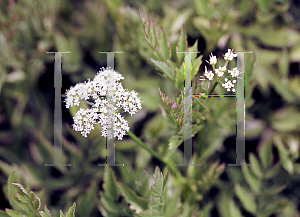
[219, 72]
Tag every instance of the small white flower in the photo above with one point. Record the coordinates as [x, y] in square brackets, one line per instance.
[209, 74]
[220, 71]
[234, 72]
[229, 55]
[98, 91]
[212, 60]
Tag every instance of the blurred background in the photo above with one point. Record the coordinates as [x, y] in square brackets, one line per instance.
[30, 28]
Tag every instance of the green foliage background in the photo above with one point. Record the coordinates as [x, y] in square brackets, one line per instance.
[269, 28]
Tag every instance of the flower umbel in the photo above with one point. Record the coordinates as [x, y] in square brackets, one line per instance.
[229, 85]
[98, 90]
[229, 55]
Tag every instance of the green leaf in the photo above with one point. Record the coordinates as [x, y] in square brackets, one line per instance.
[246, 198]
[87, 203]
[270, 173]
[47, 212]
[164, 45]
[284, 63]
[61, 214]
[196, 64]
[194, 48]
[3, 214]
[172, 205]
[132, 198]
[179, 80]
[256, 168]
[108, 203]
[233, 210]
[71, 212]
[175, 141]
[23, 206]
[20, 189]
[265, 150]
[110, 184]
[163, 67]
[37, 204]
[182, 45]
[13, 213]
[275, 206]
[205, 212]
[274, 190]
[253, 181]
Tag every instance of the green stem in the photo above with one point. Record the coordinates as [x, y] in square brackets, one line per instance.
[213, 88]
[168, 162]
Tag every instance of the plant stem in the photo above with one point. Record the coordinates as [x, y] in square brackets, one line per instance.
[213, 87]
[168, 162]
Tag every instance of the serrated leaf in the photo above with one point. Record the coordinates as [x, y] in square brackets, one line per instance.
[182, 45]
[164, 44]
[246, 198]
[253, 181]
[47, 212]
[110, 184]
[157, 187]
[23, 206]
[13, 213]
[37, 204]
[22, 198]
[256, 166]
[132, 198]
[20, 189]
[196, 64]
[71, 212]
[163, 67]
[154, 35]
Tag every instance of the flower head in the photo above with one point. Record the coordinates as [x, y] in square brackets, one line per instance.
[104, 93]
[234, 72]
[229, 55]
[209, 74]
[220, 71]
[212, 59]
[228, 85]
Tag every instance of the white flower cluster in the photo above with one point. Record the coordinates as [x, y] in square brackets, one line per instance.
[228, 84]
[98, 91]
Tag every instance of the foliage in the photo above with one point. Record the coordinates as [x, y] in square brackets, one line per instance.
[150, 60]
